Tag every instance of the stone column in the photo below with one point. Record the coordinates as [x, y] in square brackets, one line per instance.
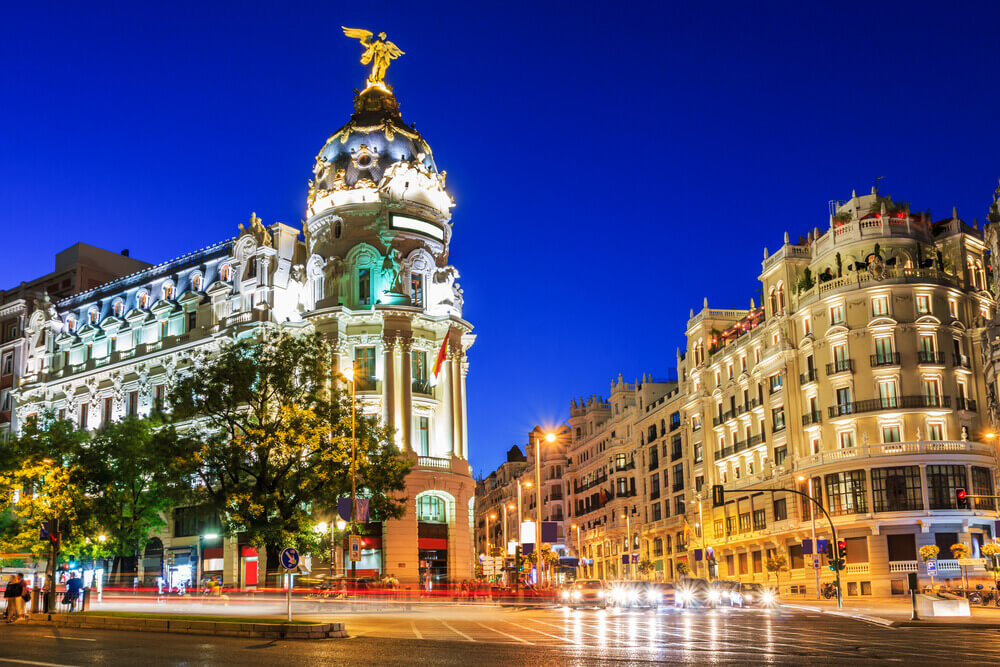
[465, 409]
[406, 395]
[389, 381]
[445, 431]
[923, 486]
[455, 372]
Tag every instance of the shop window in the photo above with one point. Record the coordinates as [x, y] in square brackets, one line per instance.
[431, 509]
[846, 492]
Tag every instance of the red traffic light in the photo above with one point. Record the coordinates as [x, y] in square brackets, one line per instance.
[962, 495]
[842, 545]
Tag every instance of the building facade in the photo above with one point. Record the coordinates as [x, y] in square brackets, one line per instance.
[859, 382]
[372, 275]
[77, 268]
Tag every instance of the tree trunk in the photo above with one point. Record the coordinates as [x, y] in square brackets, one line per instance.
[272, 578]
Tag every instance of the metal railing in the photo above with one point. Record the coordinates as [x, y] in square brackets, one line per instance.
[808, 376]
[890, 403]
[840, 366]
[812, 418]
[929, 357]
[422, 387]
[885, 359]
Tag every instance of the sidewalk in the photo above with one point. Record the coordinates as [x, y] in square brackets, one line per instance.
[897, 613]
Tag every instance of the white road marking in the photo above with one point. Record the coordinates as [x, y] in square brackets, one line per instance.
[523, 641]
[456, 630]
[79, 639]
[565, 640]
[415, 631]
[33, 662]
[565, 629]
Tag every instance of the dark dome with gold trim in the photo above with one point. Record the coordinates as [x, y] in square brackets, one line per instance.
[375, 138]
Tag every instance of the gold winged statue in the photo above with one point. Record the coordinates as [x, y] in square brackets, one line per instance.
[378, 52]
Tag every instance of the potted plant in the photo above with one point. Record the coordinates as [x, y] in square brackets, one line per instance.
[683, 569]
[992, 554]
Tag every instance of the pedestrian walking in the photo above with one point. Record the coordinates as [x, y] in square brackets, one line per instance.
[73, 589]
[12, 595]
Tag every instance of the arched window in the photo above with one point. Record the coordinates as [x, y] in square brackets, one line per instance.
[772, 299]
[168, 291]
[197, 282]
[93, 315]
[118, 308]
[337, 229]
[319, 289]
[71, 323]
[781, 298]
[226, 273]
[431, 509]
[142, 300]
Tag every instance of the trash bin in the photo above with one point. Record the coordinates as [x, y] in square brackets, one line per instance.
[36, 597]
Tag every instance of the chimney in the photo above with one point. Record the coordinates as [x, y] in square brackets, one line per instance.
[125, 252]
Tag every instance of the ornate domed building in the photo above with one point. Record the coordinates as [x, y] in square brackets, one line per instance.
[372, 274]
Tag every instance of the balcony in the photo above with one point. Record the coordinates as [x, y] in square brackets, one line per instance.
[865, 452]
[961, 361]
[930, 357]
[433, 462]
[903, 566]
[840, 366]
[422, 387]
[856, 568]
[885, 359]
[775, 388]
[962, 403]
[808, 376]
[812, 418]
[890, 403]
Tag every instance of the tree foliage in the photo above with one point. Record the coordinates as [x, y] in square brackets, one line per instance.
[776, 564]
[267, 430]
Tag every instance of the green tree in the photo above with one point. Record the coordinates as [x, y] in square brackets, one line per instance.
[41, 472]
[134, 475]
[268, 434]
[645, 566]
[777, 564]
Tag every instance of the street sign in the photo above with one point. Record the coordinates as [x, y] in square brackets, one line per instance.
[807, 547]
[821, 545]
[816, 561]
[355, 547]
[289, 558]
[931, 567]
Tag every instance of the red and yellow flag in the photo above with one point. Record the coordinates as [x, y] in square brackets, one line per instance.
[442, 353]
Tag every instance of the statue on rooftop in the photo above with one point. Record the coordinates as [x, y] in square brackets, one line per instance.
[379, 52]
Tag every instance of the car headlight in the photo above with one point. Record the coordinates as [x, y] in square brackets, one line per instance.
[576, 595]
[714, 596]
[632, 595]
[767, 597]
[748, 596]
[653, 595]
[600, 594]
[683, 596]
[565, 595]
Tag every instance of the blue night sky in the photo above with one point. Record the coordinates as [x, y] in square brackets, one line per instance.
[612, 164]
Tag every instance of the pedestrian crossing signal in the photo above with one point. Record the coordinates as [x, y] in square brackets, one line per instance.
[962, 499]
[718, 495]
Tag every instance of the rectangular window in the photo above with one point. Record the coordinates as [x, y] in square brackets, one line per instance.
[719, 534]
[758, 562]
[699, 453]
[780, 510]
[935, 431]
[159, 396]
[883, 350]
[880, 305]
[424, 428]
[778, 419]
[112, 344]
[846, 439]
[780, 454]
[654, 487]
[890, 434]
[679, 508]
[8, 364]
[365, 287]
[932, 393]
[942, 482]
[656, 515]
[953, 308]
[192, 320]
[164, 327]
[678, 477]
[837, 314]
[106, 415]
[133, 403]
[807, 326]
[745, 522]
[84, 410]
[897, 489]
[759, 520]
[846, 492]
[982, 485]
[887, 393]
[417, 289]
[364, 364]
[924, 304]
[418, 372]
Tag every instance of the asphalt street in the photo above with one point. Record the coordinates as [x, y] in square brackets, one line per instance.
[493, 636]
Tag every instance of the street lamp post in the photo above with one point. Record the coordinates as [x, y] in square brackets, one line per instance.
[549, 437]
[579, 550]
[701, 529]
[350, 375]
[812, 513]
[517, 561]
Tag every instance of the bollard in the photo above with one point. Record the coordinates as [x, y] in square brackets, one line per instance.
[85, 606]
[35, 600]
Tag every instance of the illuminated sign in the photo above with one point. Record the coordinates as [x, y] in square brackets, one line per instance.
[409, 224]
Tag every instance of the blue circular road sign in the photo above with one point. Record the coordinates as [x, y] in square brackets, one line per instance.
[289, 558]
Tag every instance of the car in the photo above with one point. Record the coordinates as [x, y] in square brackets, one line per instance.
[654, 595]
[757, 595]
[692, 592]
[585, 593]
[626, 594]
[724, 592]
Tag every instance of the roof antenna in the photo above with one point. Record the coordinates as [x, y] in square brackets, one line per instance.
[875, 189]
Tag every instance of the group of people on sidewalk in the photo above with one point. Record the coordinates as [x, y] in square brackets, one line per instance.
[16, 595]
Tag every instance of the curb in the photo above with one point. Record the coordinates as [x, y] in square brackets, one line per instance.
[884, 622]
[194, 627]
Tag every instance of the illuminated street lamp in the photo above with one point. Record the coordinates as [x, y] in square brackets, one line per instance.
[628, 545]
[579, 550]
[812, 513]
[549, 437]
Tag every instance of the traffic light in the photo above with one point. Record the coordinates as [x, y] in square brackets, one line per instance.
[962, 498]
[718, 495]
[841, 549]
[829, 551]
